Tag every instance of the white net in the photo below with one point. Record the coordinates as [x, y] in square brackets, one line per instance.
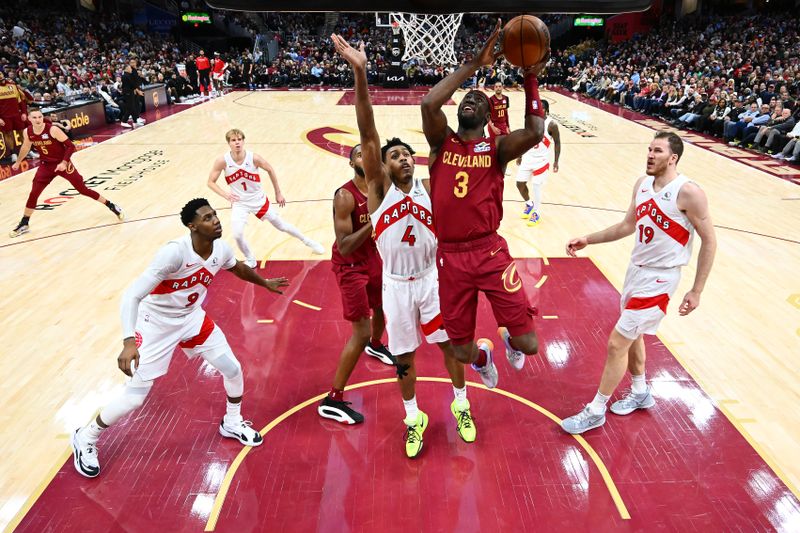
[429, 38]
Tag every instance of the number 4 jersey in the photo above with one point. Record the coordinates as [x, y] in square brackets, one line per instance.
[176, 282]
[664, 234]
[404, 231]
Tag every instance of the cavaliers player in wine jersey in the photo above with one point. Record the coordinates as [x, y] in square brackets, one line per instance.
[400, 211]
[247, 196]
[466, 170]
[498, 105]
[665, 211]
[161, 311]
[357, 267]
[55, 151]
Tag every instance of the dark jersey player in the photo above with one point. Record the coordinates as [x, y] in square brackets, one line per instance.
[359, 275]
[466, 170]
[499, 102]
[55, 150]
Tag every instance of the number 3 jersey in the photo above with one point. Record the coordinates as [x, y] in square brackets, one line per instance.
[664, 234]
[176, 282]
[404, 231]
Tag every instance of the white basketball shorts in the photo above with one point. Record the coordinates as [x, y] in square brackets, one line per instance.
[241, 210]
[645, 295]
[157, 337]
[535, 171]
[411, 307]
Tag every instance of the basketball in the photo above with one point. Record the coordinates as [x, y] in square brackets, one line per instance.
[526, 40]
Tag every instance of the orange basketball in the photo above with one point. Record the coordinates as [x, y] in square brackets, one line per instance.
[526, 40]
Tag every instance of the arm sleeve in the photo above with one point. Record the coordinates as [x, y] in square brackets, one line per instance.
[167, 261]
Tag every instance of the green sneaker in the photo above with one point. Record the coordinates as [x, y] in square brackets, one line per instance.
[413, 436]
[465, 424]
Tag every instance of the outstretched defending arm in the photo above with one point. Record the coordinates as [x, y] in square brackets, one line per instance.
[244, 272]
[611, 233]
[374, 171]
[434, 121]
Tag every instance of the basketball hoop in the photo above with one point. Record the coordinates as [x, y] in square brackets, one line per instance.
[429, 38]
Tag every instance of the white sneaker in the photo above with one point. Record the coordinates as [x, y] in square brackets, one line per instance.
[140, 121]
[583, 422]
[14, 158]
[488, 372]
[316, 248]
[632, 402]
[515, 357]
[779, 155]
[84, 456]
[241, 431]
[126, 124]
[252, 263]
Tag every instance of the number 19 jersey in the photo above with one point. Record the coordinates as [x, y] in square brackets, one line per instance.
[404, 231]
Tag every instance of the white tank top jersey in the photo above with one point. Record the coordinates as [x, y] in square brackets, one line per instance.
[404, 231]
[539, 155]
[244, 179]
[663, 235]
[185, 276]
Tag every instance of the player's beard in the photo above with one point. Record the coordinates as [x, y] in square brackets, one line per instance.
[469, 123]
[359, 170]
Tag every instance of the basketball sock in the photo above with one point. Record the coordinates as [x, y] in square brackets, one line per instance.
[375, 343]
[461, 396]
[412, 411]
[598, 405]
[336, 395]
[24, 221]
[89, 434]
[537, 198]
[480, 362]
[638, 385]
[529, 202]
[233, 411]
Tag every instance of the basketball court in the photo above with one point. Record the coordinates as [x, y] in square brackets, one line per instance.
[716, 453]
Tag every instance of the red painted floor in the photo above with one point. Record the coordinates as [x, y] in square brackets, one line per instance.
[681, 466]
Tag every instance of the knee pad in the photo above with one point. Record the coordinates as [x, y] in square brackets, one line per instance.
[231, 371]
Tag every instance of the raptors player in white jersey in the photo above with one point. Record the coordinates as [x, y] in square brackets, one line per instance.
[400, 210]
[534, 165]
[161, 311]
[247, 196]
[665, 211]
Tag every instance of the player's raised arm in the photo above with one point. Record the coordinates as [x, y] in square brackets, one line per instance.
[374, 171]
[347, 241]
[692, 200]
[262, 163]
[516, 143]
[612, 233]
[213, 176]
[434, 121]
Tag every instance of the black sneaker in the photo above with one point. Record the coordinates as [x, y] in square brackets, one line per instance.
[117, 210]
[339, 411]
[381, 353]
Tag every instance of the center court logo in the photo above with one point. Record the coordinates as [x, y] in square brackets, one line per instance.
[511, 281]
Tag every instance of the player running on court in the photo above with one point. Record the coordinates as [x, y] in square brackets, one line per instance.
[55, 150]
[400, 210]
[467, 171]
[247, 195]
[161, 311]
[534, 166]
[665, 211]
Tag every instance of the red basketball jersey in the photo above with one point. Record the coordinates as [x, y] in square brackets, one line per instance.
[359, 218]
[50, 150]
[499, 110]
[466, 189]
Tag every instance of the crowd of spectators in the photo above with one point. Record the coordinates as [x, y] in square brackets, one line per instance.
[735, 78]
